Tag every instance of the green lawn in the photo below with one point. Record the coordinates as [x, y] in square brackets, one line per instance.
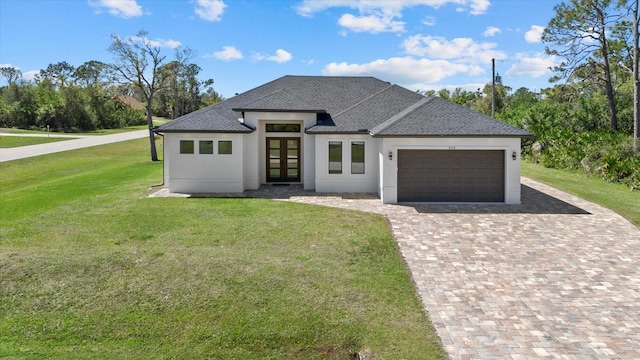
[156, 121]
[92, 268]
[617, 197]
[96, 132]
[15, 141]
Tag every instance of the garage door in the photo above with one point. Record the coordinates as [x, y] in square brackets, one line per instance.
[451, 175]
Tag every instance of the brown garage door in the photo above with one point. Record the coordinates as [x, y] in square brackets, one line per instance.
[451, 175]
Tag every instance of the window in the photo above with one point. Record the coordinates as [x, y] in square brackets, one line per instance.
[224, 147]
[282, 128]
[206, 147]
[335, 157]
[357, 157]
[186, 146]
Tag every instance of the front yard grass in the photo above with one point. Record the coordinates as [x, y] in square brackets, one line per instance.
[616, 197]
[15, 141]
[92, 268]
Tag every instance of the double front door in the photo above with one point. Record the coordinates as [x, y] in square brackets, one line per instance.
[283, 159]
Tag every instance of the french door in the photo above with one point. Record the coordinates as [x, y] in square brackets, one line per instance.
[283, 159]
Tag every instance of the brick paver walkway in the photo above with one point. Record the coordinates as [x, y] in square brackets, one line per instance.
[555, 277]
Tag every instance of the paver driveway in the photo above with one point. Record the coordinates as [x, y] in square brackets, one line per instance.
[555, 277]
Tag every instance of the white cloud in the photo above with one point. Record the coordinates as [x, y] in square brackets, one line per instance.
[534, 35]
[381, 15]
[121, 8]
[210, 10]
[429, 21]
[30, 75]
[535, 66]
[491, 31]
[371, 23]
[227, 53]
[459, 49]
[407, 71]
[172, 44]
[309, 7]
[281, 56]
[479, 7]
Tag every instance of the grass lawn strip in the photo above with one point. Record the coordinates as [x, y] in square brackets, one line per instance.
[91, 268]
[15, 141]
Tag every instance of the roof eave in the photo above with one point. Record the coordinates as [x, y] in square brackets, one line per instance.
[319, 111]
[454, 135]
[247, 131]
[352, 132]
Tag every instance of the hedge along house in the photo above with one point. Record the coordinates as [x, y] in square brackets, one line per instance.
[344, 134]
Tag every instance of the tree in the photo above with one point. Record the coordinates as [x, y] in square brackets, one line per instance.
[139, 61]
[60, 74]
[10, 73]
[483, 104]
[211, 97]
[636, 81]
[91, 73]
[579, 29]
[632, 7]
[184, 93]
[445, 94]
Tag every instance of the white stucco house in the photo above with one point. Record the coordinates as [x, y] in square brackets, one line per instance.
[344, 134]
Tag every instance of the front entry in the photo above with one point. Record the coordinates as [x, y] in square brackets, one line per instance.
[283, 159]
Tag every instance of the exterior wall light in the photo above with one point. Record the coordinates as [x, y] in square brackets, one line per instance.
[390, 155]
[514, 156]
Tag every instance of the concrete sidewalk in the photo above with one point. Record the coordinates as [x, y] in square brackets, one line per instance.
[73, 144]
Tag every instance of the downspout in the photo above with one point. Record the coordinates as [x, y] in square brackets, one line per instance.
[163, 145]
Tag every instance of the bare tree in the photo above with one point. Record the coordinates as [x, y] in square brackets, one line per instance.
[139, 62]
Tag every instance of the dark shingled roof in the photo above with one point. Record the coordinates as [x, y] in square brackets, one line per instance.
[280, 101]
[347, 105]
[434, 116]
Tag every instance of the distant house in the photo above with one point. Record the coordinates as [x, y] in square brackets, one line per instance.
[131, 101]
[344, 134]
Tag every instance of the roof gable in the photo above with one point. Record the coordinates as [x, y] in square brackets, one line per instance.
[434, 116]
[280, 101]
[371, 111]
[316, 93]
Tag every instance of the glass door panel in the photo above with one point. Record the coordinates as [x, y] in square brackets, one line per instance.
[283, 159]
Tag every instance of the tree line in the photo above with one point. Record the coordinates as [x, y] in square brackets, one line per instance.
[66, 98]
[589, 118]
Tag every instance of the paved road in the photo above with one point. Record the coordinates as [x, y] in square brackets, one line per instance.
[22, 152]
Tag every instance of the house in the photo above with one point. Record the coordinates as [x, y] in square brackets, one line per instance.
[344, 134]
[131, 101]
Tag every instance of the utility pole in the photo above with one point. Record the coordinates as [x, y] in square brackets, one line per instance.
[493, 88]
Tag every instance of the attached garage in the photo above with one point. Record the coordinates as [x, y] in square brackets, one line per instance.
[451, 176]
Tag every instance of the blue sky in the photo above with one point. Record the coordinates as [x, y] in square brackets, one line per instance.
[418, 44]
